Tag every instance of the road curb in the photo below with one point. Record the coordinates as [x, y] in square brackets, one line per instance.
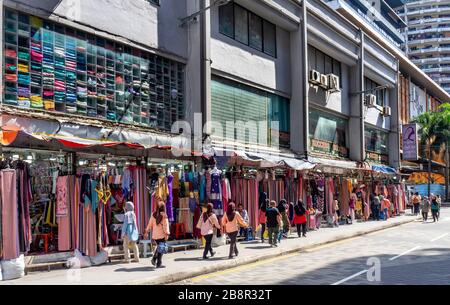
[229, 264]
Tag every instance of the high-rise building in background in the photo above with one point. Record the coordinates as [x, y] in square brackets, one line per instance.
[428, 36]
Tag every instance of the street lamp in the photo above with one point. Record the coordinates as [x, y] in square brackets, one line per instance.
[193, 17]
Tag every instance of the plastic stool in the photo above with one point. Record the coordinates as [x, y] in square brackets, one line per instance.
[179, 230]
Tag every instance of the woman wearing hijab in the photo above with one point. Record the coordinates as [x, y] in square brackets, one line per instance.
[263, 218]
[207, 222]
[283, 209]
[300, 220]
[159, 226]
[130, 233]
[231, 222]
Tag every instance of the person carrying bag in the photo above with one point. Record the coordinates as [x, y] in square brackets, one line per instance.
[130, 233]
[231, 222]
[159, 226]
[208, 225]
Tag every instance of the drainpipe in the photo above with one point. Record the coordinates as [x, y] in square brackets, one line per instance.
[361, 104]
[205, 64]
[305, 79]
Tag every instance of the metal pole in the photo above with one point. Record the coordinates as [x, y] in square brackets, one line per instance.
[305, 79]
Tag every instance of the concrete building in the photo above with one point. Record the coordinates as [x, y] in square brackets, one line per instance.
[311, 70]
[428, 37]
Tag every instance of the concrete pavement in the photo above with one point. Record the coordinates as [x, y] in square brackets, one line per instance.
[185, 265]
[415, 253]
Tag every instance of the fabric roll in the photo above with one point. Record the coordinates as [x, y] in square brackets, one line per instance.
[10, 225]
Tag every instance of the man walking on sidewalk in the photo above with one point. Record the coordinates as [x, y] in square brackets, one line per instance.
[273, 223]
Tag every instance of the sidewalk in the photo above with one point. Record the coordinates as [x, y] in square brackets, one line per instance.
[185, 265]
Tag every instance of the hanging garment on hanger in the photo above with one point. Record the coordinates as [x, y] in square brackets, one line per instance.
[169, 206]
[202, 190]
[216, 193]
[61, 196]
[25, 200]
[10, 221]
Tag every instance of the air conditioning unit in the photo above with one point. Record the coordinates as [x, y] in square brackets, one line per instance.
[314, 77]
[371, 100]
[324, 81]
[333, 82]
[387, 111]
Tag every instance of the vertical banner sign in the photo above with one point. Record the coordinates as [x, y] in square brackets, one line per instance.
[410, 142]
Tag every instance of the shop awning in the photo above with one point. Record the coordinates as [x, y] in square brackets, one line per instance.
[72, 135]
[322, 162]
[384, 169]
[267, 160]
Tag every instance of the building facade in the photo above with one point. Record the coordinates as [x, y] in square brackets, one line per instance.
[428, 37]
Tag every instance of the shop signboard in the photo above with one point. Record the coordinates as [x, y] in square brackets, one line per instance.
[410, 142]
[377, 157]
[329, 148]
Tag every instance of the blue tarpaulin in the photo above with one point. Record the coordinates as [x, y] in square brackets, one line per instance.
[384, 169]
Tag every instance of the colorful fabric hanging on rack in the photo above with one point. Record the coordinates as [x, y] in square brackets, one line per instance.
[9, 215]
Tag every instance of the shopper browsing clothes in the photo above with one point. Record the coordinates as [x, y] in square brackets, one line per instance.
[386, 206]
[159, 227]
[274, 222]
[435, 209]
[230, 223]
[262, 217]
[243, 212]
[130, 233]
[425, 208]
[375, 205]
[352, 204]
[300, 220]
[206, 224]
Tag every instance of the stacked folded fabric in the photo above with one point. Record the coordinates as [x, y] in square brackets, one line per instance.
[111, 115]
[60, 96]
[48, 68]
[92, 112]
[24, 79]
[49, 105]
[92, 94]
[11, 68]
[59, 52]
[10, 78]
[81, 104]
[71, 98]
[136, 84]
[48, 94]
[23, 102]
[145, 85]
[36, 79]
[23, 68]
[36, 67]
[10, 89]
[71, 109]
[36, 101]
[71, 65]
[10, 101]
[81, 83]
[10, 53]
[119, 80]
[36, 56]
[47, 37]
[71, 76]
[60, 86]
[36, 47]
[24, 55]
[60, 74]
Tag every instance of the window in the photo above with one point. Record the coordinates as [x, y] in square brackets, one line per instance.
[242, 25]
[376, 140]
[56, 68]
[330, 130]
[380, 94]
[323, 63]
[232, 102]
[256, 40]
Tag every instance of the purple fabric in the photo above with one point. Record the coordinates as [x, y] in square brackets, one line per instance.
[169, 207]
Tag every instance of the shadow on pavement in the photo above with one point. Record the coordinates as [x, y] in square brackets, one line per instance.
[138, 269]
[198, 259]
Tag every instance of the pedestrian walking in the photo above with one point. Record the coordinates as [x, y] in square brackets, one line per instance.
[435, 208]
[352, 204]
[439, 201]
[130, 233]
[159, 227]
[416, 200]
[385, 205]
[230, 223]
[425, 208]
[300, 220]
[274, 222]
[262, 217]
[207, 224]
[283, 209]
[376, 206]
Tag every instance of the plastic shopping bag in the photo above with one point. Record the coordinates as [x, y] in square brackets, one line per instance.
[13, 269]
[218, 241]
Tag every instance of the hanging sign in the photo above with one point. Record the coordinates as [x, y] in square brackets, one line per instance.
[410, 142]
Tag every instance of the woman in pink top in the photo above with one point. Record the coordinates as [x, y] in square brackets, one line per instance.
[231, 222]
[159, 226]
[207, 222]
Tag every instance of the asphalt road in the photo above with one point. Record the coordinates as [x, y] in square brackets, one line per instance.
[416, 253]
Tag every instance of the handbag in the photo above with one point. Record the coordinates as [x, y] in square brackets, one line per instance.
[162, 248]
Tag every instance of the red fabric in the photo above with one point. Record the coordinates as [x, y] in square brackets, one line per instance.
[298, 220]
